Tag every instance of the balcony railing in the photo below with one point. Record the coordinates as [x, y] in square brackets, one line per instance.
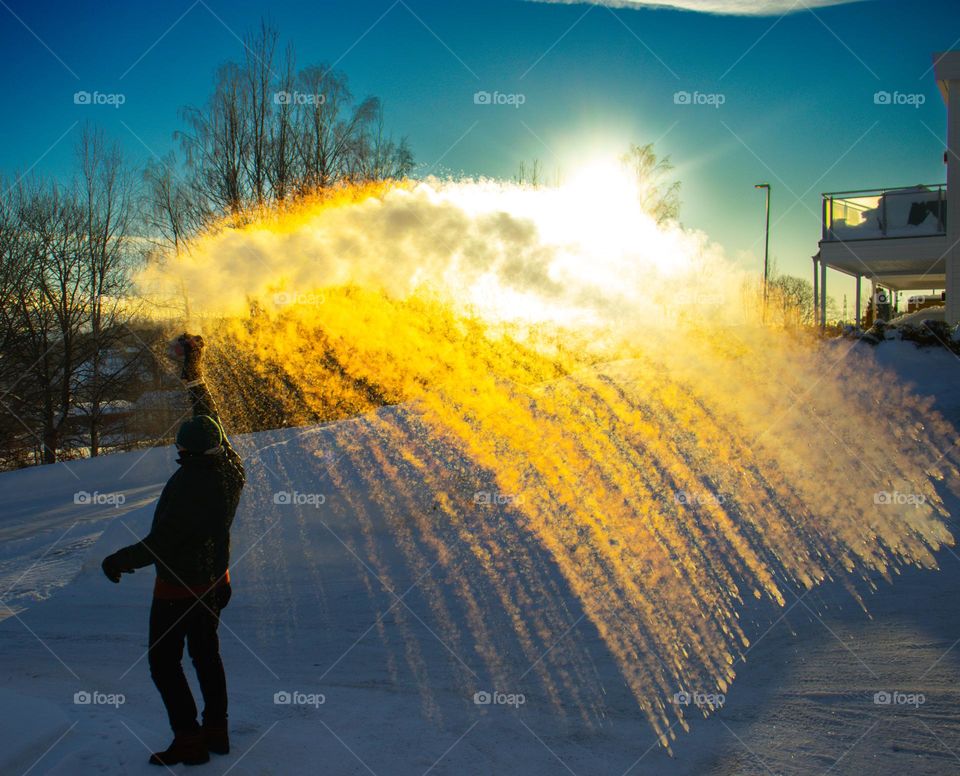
[873, 214]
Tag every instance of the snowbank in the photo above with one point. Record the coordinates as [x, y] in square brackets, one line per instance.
[919, 316]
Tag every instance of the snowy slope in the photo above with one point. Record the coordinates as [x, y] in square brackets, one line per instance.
[332, 598]
[45, 532]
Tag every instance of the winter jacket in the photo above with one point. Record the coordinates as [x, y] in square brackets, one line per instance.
[189, 540]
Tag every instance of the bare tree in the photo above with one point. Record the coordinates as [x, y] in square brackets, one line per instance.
[49, 310]
[282, 171]
[330, 127]
[217, 142]
[270, 132]
[106, 198]
[259, 80]
[790, 301]
[170, 210]
[16, 435]
[63, 283]
[659, 196]
[535, 173]
[381, 157]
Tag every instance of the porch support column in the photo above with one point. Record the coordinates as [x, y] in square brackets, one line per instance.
[823, 295]
[857, 319]
[816, 290]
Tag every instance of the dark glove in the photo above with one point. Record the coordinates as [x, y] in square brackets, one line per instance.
[189, 347]
[113, 568]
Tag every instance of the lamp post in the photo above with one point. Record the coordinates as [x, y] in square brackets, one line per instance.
[766, 250]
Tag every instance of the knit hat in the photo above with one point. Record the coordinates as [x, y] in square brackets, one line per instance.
[201, 434]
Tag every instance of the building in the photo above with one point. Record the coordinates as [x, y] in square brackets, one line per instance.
[900, 239]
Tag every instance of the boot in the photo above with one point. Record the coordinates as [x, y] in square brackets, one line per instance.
[187, 748]
[216, 736]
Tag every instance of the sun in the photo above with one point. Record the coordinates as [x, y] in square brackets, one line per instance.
[605, 189]
[605, 176]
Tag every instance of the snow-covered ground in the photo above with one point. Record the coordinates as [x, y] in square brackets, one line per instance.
[334, 603]
[51, 515]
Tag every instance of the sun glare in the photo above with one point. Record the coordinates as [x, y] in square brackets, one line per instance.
[605, 176]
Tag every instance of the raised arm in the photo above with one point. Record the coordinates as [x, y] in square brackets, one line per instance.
[190, 348]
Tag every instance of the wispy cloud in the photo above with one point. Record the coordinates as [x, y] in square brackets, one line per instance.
[725, 7]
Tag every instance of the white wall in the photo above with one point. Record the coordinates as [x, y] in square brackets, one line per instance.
[947, 71]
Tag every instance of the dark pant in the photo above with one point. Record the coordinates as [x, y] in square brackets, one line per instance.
[196, 621]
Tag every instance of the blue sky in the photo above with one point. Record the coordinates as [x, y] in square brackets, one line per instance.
[798, 91]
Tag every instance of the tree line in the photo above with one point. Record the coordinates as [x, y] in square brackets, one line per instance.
[76, 345]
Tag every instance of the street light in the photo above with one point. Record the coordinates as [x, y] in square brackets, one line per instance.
[766, 250]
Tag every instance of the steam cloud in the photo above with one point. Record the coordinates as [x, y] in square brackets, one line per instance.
[681, 469]
[571, 256]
